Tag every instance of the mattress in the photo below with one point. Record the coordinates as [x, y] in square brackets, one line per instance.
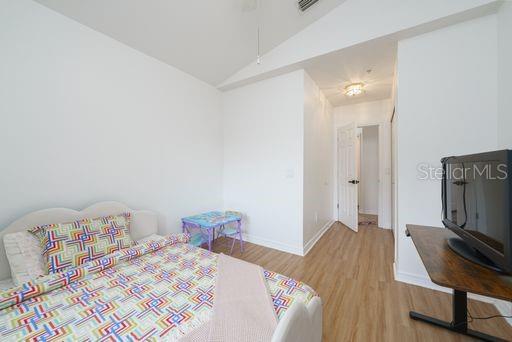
[156, 290]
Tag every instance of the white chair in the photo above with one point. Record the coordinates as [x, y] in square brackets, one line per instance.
[233, 230]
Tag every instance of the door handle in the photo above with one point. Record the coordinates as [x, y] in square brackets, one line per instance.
[353, 181]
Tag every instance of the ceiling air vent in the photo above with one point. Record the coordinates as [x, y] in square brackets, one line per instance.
[305, 4]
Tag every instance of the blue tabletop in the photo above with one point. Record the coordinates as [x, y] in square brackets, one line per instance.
[211, 219]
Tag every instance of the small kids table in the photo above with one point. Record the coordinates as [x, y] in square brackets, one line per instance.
[207, 222]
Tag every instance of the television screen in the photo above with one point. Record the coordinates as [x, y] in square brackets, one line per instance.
[476, 200]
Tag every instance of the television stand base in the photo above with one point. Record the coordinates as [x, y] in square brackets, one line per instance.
[458, 245]
[459, 324]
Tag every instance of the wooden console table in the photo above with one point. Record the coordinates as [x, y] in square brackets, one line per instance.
[448, 269]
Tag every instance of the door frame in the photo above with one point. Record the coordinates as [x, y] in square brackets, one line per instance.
[384, 213]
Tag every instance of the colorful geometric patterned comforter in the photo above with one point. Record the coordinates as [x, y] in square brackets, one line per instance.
[159, 290]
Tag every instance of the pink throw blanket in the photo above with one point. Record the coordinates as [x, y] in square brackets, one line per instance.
[242, 308]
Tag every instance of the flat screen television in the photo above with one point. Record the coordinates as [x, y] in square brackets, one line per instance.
[476, 197]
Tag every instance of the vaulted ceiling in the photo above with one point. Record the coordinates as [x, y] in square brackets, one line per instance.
[208, 39]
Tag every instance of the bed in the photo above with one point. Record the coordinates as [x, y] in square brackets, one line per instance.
[161, 288]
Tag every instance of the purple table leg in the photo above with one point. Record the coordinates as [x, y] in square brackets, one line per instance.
[239, 223]
[210, 238]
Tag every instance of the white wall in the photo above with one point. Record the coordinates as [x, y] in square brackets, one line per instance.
[85, 118]
[278, 160]
[505, 75]
[263, 166]
[365, 114]
[504, 98]
[318, 163]
[447, 82]
[394, 144]
[369, 182]
[394, 176]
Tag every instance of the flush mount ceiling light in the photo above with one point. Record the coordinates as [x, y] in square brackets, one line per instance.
[354, 89]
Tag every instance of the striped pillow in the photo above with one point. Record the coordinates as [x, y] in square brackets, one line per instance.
[72, 244]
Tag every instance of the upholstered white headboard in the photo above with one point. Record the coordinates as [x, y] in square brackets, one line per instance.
[143, 223]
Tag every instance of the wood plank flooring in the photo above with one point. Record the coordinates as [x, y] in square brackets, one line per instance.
[353, 274]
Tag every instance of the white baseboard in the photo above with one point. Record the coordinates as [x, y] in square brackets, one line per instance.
[418, 280]
[297, 250]
[503, 307]
[284, 247]
[309, 245]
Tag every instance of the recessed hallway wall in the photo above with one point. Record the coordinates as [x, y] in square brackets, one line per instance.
[369, 174]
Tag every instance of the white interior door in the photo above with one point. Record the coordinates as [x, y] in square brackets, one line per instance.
[347, 176]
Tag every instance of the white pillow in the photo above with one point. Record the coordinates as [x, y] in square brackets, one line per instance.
[25, 256]
[6, 284]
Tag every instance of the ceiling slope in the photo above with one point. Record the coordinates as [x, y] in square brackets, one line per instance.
[210, 40]
[358, 22]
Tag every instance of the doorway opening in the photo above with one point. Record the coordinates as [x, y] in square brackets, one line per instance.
[360, 169]
[359, 83]
[368, 187]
